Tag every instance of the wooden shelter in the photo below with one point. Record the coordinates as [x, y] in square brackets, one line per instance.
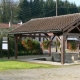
[63, 26]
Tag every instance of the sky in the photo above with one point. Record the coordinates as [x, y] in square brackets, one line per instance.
[77, 2]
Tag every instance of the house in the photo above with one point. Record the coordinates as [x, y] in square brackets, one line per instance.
[6, 25]
[5, 28]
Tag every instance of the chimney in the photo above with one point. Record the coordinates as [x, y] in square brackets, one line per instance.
[10, 24]
[21, 22]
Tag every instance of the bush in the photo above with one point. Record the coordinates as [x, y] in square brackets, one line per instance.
[72, 45]
[57, 43]
[28, 44]
[36, 44]
[32, 46]
[45, 44]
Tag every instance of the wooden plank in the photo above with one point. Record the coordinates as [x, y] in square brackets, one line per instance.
[62, 49]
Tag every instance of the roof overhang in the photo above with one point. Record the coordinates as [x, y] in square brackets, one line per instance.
[45, 31]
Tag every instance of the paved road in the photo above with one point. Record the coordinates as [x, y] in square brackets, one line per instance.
[63, 73]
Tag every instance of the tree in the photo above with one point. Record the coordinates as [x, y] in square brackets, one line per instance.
[6, 7]
[50, 8]
[24, 12]
[73, 8]
[36, 8]
[66, 8]
[42, 9]
[27, 9]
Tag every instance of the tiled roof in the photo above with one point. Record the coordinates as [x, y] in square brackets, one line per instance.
[5, 25]
[55, 23]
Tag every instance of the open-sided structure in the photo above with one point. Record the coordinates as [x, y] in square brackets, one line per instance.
[63, 26]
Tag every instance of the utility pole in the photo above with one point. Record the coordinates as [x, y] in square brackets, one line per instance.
[56, 8]
[11, 20]
[11, 8]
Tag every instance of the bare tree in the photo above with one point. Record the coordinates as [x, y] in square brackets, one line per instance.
[7, 8]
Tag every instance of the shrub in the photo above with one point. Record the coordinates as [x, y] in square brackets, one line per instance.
[36, 44]
[45, 44]
[72, 45]
[57, 43]
[32, 46]
[28, 44]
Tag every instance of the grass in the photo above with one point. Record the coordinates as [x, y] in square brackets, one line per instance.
[11, 64]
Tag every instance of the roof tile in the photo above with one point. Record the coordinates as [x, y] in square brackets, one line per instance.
[47, 23]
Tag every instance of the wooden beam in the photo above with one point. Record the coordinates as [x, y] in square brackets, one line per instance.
[18, 36]
[62, 49]
[1, 47]
[56, 44]
[73, 27]
[8, 48]
[78, 28]
[58, 38]
[79, 44]
[49, 47]
[39, 37]
[53, 37]
[71, 24]
[47, 36]
[71, 34]
[33, 35]
[43, 39]
[16, 47]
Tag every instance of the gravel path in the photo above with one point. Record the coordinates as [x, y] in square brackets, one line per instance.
[63, 73]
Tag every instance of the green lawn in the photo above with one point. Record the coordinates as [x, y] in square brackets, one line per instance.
[11, 64]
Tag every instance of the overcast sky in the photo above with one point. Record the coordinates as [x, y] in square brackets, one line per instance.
[77, 2]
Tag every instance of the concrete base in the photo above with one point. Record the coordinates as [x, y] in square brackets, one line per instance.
[56, 57]
[69, 57]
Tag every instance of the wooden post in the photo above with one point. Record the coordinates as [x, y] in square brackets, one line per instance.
[39, 37]
[34, 35]
[78, 43]
[43, 39]
[1, 47]
[49, 48]
[56, 44]
[62, 49]
[8, 48]
[16, 46]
